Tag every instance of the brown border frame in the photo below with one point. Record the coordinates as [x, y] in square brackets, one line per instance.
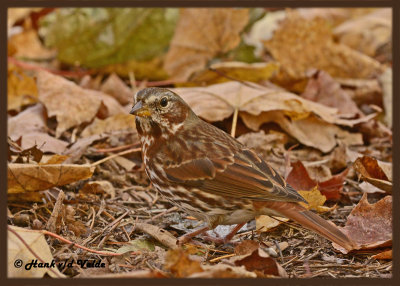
[4, 4]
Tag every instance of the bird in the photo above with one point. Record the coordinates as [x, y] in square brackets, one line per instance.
[212, 176]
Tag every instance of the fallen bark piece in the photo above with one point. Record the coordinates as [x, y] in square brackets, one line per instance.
[158, 233]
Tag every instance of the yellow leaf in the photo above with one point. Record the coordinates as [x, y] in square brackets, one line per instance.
[315, 200]
[21, 89]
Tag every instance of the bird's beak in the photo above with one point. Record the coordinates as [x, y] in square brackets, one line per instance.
[139, 110]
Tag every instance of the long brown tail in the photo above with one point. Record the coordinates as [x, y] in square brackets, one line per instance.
[312, 221]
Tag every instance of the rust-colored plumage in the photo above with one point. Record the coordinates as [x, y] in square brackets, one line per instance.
[211, 175]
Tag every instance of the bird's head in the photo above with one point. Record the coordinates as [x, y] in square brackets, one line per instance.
[159, 108]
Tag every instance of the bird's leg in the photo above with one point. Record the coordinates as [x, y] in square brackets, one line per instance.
[186, 237]
[227, 238]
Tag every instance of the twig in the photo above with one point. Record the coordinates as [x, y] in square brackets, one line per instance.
[115, 155]
[115, 149]
[51, 223]
[112, 226]
[78, 245]
[163, 213]
[222, 257]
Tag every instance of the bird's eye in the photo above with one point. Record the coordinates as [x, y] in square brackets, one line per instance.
[164, 102]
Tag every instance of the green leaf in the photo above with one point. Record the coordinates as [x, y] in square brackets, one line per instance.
[96, 37]
[135, 245]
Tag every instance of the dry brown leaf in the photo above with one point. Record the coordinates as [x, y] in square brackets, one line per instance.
[259, 262]
[376, 172]
[21, 89]
[367, 34]
[369, 225]
[23, 178]
[99, 187]
[264, 223]
[14, 149]
[119, 122]
[27, 45]
[117, 88]
[369, 188]
[222, 72]
[75, 151]
[201, 34]
[30, 126]
[55, 159]
[17, 250]
[322, 88]
[299, 179]
[178, 262]
[109, 106]
[181, 264]
[16, 14]
[300, 44]
[258, 104]
[223, 270]
[71, 104]
[335, 16]
[387, 255]
[363, 91]
[246, 247]
[325, 136]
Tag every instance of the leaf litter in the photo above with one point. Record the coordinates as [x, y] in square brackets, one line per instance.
[75, 172]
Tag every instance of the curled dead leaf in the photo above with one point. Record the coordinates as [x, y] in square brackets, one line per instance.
[387, 255]
[178, 262]
[322, 88]
[260, 262]
[23, 178]
[117, 88]
[30, 127]
[299, 179]
[200, 35]
[368, 33]
[118, 122]
[78, 105]
[300, 44]
[258, 104]
[376, 172]
[369, 225]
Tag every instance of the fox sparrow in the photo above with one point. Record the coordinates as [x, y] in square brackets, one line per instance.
[209, 174]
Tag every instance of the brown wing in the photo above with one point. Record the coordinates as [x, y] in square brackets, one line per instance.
[241, 175]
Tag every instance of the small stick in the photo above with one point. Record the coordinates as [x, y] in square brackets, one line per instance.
[51, 223]
[222, 257]
[115, 149]
[163, 213]
[31, 250]
[115, 155]
[78, 245]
